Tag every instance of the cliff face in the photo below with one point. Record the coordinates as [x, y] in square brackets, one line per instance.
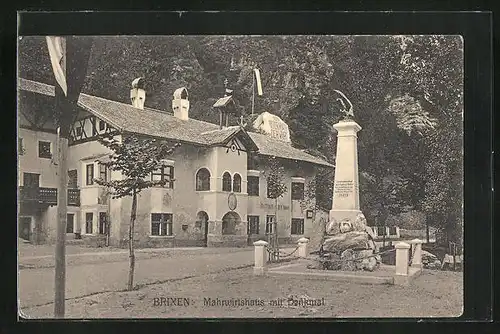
[297, 74]
[394, 83]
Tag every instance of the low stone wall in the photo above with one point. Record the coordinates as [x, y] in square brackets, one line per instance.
[422, 234]
[94, 241]
[227, 241]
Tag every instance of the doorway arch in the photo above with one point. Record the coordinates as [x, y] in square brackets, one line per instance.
[229, 222]
[202, 218]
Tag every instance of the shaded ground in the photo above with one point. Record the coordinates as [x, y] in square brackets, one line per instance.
[87, 275]
[433, 294]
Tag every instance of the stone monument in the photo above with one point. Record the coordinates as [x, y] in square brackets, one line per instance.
[345, 202]
[348, 242]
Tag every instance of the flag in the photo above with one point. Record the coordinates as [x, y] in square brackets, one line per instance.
[57, 53]
[69, 57]
[257, 79]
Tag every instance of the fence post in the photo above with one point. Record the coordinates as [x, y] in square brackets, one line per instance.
[387, 232]
[402, 253]
[398, 235]
[417, 253]
[303, 247]
[260, 266]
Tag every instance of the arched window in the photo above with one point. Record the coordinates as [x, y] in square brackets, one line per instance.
[203, 180]
[237, 183]
[226, 182]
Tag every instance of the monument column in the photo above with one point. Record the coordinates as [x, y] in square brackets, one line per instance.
[345, 203]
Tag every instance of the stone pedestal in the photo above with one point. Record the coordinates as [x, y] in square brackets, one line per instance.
[302, 244]
[345, 204]
[416, 246]
[402, 268]
[260, 254]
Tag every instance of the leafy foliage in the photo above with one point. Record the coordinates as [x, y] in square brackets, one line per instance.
[135, 158]
[407, 93]
[275, 175]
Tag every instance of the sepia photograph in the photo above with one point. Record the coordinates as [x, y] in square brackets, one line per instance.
[240, 176]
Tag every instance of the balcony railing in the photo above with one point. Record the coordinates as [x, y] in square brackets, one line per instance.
[47, 196]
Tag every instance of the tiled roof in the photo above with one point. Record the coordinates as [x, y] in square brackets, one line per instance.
[149, 122]
[36, 87]
[156, 123]
[273, 147]
[222, 102]
[217, 136]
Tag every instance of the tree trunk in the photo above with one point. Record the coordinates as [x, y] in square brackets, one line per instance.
[133, 215]
[276, 244]
[427, 232]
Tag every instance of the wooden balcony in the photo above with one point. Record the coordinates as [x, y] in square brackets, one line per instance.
[47, 196]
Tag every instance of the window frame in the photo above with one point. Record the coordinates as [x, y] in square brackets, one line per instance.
[236, 186]
[294, 223]
[253, 189]
[164, 176]
[87, 215]
[89, 182]
[71, 178]
[202, 184]
[227, 183]
[100, 222]
[165, 224]
[270, 224]
[294, 191]
[73, 225]
[41, 153]
[101, 172]
[253, 221]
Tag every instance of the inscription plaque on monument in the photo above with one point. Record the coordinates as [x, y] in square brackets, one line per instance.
[344, 188]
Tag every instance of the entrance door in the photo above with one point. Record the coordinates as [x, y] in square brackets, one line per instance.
[205, 236]
[70, 223]
[25, 228]
[202, 218]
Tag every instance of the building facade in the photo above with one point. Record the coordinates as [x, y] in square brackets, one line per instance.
[216, 194]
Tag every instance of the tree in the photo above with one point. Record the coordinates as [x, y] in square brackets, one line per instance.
[432, 72]
[276, 188]
[135, 158]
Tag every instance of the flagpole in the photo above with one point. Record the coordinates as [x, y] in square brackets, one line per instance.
[253, 91]
[62, 193]
[62, 203]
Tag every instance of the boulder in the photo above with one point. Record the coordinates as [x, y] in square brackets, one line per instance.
[430, 260]
[370, 232]
[359, 223]
[332, 228]
[348, 264]
[350, 240]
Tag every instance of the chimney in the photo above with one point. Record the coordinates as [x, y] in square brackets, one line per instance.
[137, 93]
[180, 104]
